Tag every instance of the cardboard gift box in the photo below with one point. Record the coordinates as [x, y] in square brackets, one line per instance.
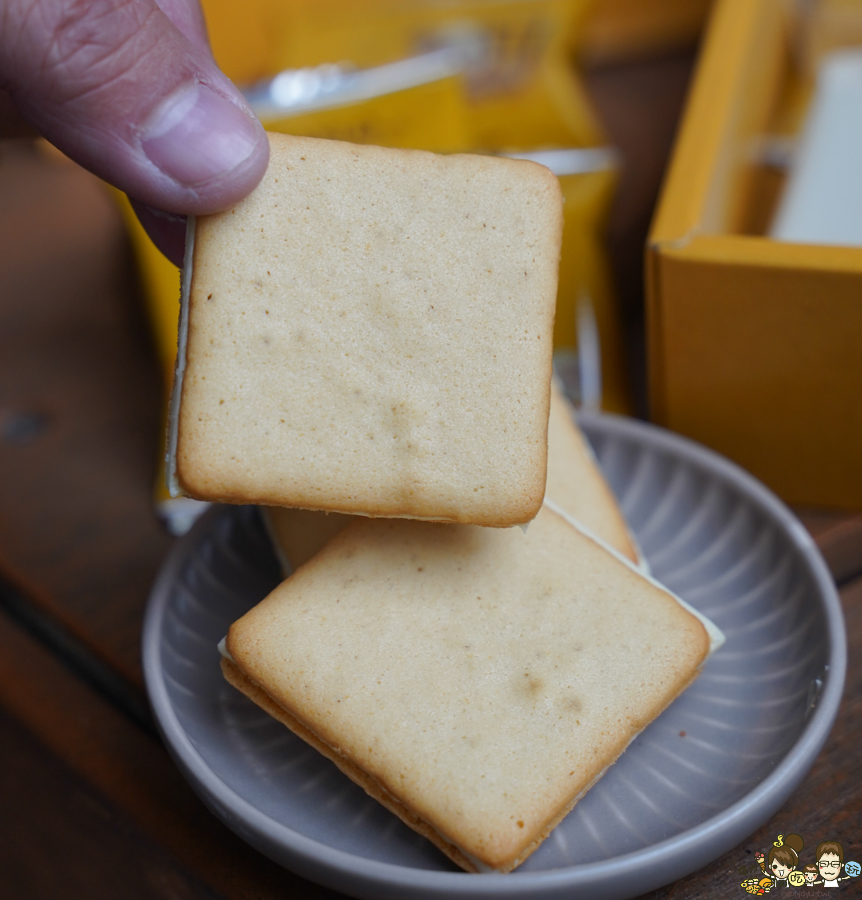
[754, 345]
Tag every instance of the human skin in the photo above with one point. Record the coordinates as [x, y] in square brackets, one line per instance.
[129, 89]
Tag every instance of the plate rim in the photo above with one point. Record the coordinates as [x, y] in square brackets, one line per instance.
[651, 866]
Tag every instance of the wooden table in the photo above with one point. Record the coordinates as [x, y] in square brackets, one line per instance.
[91, 806]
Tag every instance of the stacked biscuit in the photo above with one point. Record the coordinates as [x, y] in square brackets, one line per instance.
[366, 342]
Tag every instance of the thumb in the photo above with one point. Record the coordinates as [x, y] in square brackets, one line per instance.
[135, 98]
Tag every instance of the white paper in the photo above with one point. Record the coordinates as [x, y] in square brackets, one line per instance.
[822, 203]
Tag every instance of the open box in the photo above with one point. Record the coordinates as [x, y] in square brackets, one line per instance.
[755, 346]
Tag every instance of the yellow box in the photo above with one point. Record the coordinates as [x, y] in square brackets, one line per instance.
[755, 346]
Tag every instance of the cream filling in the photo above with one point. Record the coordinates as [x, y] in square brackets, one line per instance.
[222, 648]
[179, 371]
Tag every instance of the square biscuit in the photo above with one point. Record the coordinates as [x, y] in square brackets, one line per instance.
[370, 332]
[468, 678]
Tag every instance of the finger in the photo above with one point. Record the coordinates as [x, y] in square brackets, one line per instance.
[188, 18]
[120, 88]
[166, 230]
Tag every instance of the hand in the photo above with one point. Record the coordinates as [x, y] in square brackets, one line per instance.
[129, 89]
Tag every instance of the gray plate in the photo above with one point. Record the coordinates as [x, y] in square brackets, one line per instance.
[712, 768]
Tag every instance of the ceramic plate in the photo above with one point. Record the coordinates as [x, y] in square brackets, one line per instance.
[712, 768]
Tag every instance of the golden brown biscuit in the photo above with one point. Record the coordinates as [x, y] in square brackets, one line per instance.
[467, 677]
[370, 332]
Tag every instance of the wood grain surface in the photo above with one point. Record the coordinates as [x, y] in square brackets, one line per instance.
[91, 804]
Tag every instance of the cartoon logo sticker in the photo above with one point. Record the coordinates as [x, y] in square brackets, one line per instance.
[781, 867]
